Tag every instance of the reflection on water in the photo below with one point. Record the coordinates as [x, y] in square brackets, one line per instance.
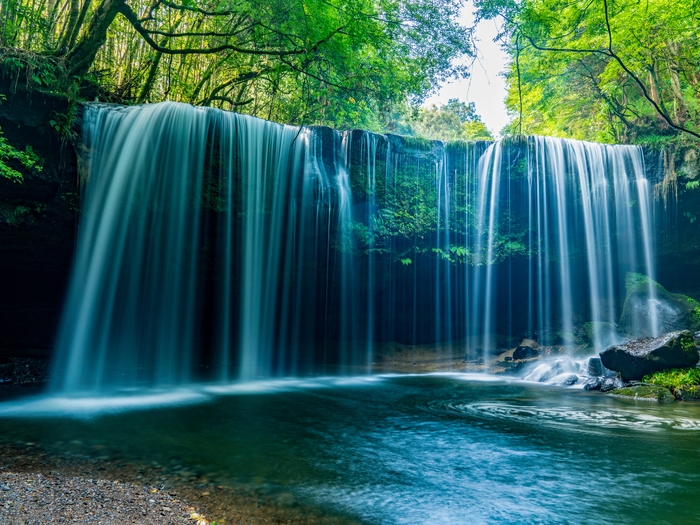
[405, 449]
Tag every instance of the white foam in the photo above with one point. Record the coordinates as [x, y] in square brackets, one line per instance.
[76, 406]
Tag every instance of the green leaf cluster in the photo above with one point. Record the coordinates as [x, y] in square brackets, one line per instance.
[598, 70]
[12, 159]
[687, 379]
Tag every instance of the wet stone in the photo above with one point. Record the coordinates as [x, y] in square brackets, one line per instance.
[593, 383]
[525, 352]
[570, 380]
[610, 383]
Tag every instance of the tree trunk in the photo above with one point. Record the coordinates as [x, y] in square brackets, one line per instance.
[82, 56]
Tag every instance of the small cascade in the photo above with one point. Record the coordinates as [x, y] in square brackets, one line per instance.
[219, 247]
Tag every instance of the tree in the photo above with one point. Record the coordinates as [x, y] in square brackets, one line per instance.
[454, 121]
[297, 61]
[597, 70]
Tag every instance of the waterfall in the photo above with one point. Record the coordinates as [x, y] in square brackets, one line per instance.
[218, 247]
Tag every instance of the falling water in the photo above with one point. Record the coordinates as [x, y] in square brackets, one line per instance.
[216, 246]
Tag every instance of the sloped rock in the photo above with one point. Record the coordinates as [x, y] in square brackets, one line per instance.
[647, 298]
[639, 357]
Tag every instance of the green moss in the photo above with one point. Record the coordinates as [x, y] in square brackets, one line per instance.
[647, 392]
[692, 302]
[638, 281]
[687, 344]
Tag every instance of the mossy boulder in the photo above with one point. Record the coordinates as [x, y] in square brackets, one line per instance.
[644, 392]
[647, 299]
[639, 357]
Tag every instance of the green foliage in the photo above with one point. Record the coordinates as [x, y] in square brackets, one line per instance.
[12, 159]
[37, 70]
[356, 64]
[454, 121]
[692, 185]
[687, 344]
[566, 74]
[685, 379]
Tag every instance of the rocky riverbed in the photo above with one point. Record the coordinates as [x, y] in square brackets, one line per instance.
[41, 487]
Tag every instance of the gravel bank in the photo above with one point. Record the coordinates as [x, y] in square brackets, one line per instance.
[35, 498]
[39, 487]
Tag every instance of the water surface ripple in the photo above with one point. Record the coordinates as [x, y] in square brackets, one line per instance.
[413, 449]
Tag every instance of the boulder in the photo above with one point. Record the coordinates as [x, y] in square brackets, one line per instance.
[647, 299]
[639, 357]
[592, 383]
[610, 383]
[596, 368]
[569, 380]
[644, 391]
[525, 352]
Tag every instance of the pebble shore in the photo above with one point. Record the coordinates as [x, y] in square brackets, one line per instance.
[40, 487]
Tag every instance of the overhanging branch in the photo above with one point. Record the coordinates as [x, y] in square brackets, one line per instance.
[608, 52]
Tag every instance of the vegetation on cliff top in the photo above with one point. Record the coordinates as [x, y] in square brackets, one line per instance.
[311, 61]
[622, 72]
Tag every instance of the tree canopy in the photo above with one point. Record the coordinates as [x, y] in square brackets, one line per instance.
[455, 120]
[298, 61]
[602, 70]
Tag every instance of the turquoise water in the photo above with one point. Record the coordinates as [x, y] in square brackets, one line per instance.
[443, 449]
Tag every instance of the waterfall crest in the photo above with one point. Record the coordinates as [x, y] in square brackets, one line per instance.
[217, 246]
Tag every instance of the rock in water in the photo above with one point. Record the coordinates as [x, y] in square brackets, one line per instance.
[569, 380]
[596, 368]
[610, 383]
[639, 357]
[647, 299]
[593, 383]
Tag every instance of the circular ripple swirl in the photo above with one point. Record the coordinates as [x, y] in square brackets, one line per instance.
[570, 416]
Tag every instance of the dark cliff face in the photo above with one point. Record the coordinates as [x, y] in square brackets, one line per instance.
[37, 220]
[38, 217]
[675, 171]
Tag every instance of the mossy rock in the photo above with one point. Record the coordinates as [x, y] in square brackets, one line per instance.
[637, 358]
[644, 392]
[673, 311]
